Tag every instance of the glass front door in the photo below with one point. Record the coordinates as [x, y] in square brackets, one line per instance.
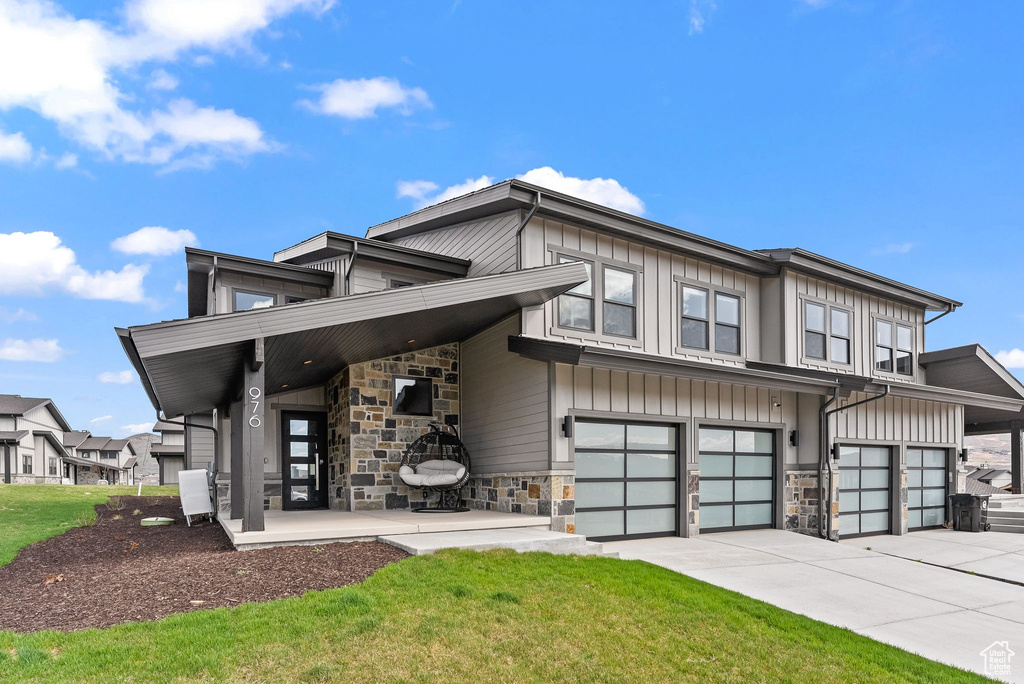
[304, 460]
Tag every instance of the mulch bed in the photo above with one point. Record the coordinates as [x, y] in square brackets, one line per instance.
[118, 571]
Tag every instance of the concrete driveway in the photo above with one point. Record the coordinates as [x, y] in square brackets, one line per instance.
[937, 612]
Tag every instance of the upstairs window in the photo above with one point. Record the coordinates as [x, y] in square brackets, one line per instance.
[894, 348]
[904, 350]
[883, 346]
[727, 323]
[694, 331]
[247, 301]
[826, 333]
[619, 306]
[576, 307]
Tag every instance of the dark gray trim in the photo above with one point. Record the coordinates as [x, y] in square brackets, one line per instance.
[201, 260]
[330, 244]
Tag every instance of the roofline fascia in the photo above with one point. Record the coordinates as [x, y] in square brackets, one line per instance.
[125, 337]
[49, 436]
[258, 267]
[377, 250]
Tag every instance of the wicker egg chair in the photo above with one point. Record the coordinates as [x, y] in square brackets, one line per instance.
[437, 462]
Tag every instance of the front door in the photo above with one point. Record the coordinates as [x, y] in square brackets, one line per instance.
[304, 460]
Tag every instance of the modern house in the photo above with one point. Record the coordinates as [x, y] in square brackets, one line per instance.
[99, 458]
[31, 440]
[169, 451]
[1000, 478]
[610, 376]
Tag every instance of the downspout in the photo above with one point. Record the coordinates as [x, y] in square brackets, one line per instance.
[213, 429]
[949, 309]
[823, 532]
[824, 414]
[348, 268]
[522, 226]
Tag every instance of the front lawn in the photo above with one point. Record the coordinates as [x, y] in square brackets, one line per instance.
[462, 616]
[31, 513]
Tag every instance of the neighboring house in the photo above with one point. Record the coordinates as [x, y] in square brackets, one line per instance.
[102, 458]
[623, 377]
[999, 478]
[31, 440]
[169, 450]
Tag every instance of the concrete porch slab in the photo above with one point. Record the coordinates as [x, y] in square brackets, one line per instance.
[284, 528]
[517, 539]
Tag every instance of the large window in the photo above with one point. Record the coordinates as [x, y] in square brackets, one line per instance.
[413, 396]
[894, 348]
[826, 333]
[699, 306]
[619, 306]
[576, 307]
[53, 466]
[247, 301]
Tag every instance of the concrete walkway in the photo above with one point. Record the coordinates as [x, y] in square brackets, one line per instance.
[940, 614]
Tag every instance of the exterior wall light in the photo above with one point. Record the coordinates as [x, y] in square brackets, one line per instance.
[567, 426]
[835, 452]
[964, 453]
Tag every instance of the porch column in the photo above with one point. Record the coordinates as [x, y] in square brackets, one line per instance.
[253, 401]
[237, 500]
[7, 463]
[1016, 463]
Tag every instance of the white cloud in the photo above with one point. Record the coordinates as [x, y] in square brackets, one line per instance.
[1011, 359]
[361, 98]
[14, 148]
[155, 240]
[67, 161]
[69, 72]
[35, 263]
[136, 428]
[101, 419]
[43, 351]
[894, 248]
[605, 191]
[700, 12]
[125, 377]
[161, 80]
[8, 316]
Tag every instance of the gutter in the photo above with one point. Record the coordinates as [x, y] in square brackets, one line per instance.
[949, 309]
[522, 227]
[211, 428]
[825, 463]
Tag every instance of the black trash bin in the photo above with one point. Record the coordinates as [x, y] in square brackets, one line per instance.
[969, 512]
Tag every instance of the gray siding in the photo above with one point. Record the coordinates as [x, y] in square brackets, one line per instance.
[198, 442]
[490, 243]
[228, 282]
[169, 468]
[369, 276]
[504, 404]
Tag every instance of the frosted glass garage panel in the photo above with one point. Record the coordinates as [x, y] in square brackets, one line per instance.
[849, 479]
[914, 498]
[715, 516]
[651, 465]
[933, 517]
[874, 479]
[933, 497]
[849, 524]
[934, 458]
[715, 440]
[650, 493]
[874, 522]
[749, 442]
[714, 492]
[600, 523]
[599, 494]
[600, 465]
[753, 514]
[874, 456]
[650, 520]
[753, 490]
[849, 501]
[933, 478]
[754, 466]
[914, 458]
[651, 437]
[913, 519]
[874, 501]
[600, 436]
[913, 478]
[715, 465]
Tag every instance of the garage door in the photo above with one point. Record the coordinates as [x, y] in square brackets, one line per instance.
[737, 479]
[627, 483]
[864, 500]
[926, 488]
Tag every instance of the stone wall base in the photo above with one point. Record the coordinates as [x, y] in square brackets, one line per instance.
[800, 492]
[34, 479]
[547, 495]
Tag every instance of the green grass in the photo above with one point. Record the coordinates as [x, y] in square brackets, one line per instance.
[479, 617]
[31, 513]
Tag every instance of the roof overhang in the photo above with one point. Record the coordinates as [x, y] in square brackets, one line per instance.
[971, 368]
[52, 439]
[88, 462]
[836, 271]
[328, 245]
[195, 365]
[162, 450]
[12, 436]
[599, 357]
[513, 195]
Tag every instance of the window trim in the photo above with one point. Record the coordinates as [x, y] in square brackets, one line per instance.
[605, 300]
[677, 312]
[706, 321]
[598, 262]
[236, 290]
[896, 324]
[737, 326]
[26, 464]
[805, 358]
[394, 396]
[592, 297]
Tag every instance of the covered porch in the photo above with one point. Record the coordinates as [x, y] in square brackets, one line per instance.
[335, 362]
[326, 525]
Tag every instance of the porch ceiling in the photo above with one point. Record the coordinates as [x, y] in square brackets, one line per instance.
[195, 365]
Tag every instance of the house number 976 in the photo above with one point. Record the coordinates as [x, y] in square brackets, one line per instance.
[254, 400]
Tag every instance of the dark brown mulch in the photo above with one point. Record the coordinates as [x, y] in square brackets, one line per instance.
[118, 571]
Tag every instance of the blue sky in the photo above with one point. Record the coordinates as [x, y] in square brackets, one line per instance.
[884, 134]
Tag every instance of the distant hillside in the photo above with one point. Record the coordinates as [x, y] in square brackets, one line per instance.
[148, 471]
[991, 450]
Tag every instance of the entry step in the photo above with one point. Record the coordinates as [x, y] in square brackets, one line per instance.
[521, 539]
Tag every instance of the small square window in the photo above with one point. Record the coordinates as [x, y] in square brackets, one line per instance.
[413, 396]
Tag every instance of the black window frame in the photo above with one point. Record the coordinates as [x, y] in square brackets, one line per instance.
[773, 454]
[860, 468]
[945, 486]
[592, 297]
[708, 296]
[738, 326]
[418, 379]
[235, 291]
[605, 301]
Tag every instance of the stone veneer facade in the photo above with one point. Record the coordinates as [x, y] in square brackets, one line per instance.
[366, 441]
[800, 493]
[542, 494]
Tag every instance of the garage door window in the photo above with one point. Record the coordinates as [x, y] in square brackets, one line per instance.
[737, 481]
[626, 480]
[864, 490]
[926, 488]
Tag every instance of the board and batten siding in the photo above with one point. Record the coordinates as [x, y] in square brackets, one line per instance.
[489, 243]
[199, 443]
[658, 309]
[504, 400]
[799, 288]
[898, 419]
